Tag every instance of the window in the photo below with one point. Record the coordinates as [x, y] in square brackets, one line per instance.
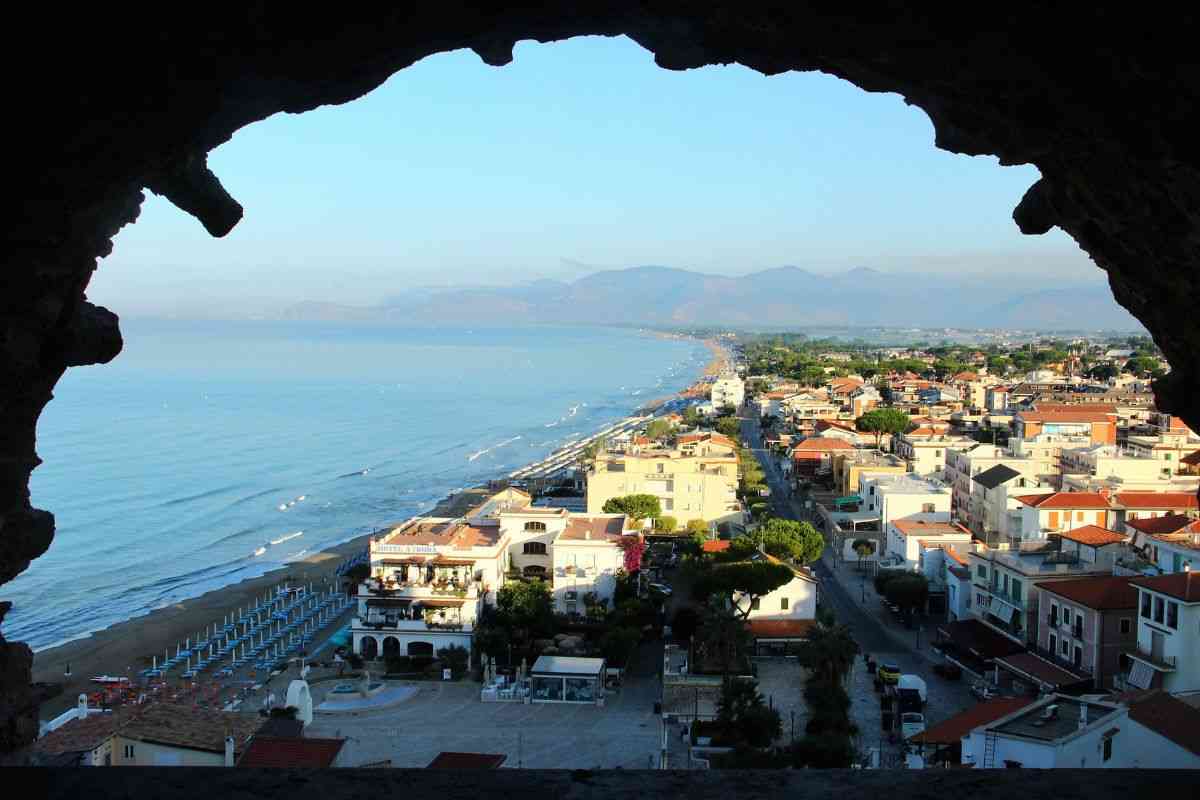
[1173, 616]
[1016, 590]
[1053, 617]
[1108, 740]
[535, 526]
[783, 604]
[1006, 583]
[1064, 647]
[1146, 605]
[129, 751]
[1066, 616]
[755, 603]
[1126, 625]
[1159, 607]
[535, 548]
[1078, 659]
[661, 467]
[927, 508]
[981, 570]
[1053, 643]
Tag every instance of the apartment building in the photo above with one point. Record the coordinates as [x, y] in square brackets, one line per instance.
[1167, 653]
[727, 390]
[910, 497]
[1090, 623]
[907, 541]
[994, 499]
[850, 466]
[926, 450]
[814, 455]
[697, 481]
[1170, 543]
[1003, 577]
[1100, 427]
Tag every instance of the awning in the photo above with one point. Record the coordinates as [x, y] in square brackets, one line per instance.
[439, 602]
[389, 601]
[974, 637]
[1034, 668]
[404, 561]
[442, 561]
[1003, 609]
[1141, 674]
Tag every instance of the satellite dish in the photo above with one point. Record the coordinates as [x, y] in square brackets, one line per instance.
[299, 698]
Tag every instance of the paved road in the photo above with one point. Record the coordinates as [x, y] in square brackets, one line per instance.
[883, 642]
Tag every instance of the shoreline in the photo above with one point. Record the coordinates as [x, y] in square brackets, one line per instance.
[126, 647]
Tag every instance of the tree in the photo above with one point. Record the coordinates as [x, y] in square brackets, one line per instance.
[666, 524]
[455, 657]
[697, 526]
[743, 714]
[909, 591]
[593, 449]
[637, 507]
[864, 548]
[526, 606]
[787, 538]
[729, 426]
[1141, 365]
[617, 644]
[828, 653]
[883, 420]
[691, 417]
[744, 582]
[1103, 372]
[722, 636]
[685, 623]
[658, 429]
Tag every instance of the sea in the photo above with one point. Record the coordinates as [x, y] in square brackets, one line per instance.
[212, 452]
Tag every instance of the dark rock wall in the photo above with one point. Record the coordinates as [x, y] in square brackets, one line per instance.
[108, 100]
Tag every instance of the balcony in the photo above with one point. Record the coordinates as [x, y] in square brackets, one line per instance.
[1161, 663]
[1065, 663]
[416, 590]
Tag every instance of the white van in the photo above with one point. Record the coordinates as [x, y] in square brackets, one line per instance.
[913, 682]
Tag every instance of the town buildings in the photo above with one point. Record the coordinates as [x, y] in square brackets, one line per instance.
[1090, 623]
[1167, 653]
[695, 480]
[727, 390]
[431, 577]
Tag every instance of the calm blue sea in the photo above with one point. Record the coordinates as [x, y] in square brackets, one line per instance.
[203, 442]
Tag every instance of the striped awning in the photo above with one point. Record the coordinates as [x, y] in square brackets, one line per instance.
[1141, 674]
[1002, 609]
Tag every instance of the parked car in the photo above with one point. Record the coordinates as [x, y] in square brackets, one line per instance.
[911, 724]
[889, 673]
[661, 588]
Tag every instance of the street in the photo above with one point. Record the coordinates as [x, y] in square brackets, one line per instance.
[843, 592]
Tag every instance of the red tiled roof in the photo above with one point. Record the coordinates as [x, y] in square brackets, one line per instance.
[78, 735]
[450, 760]
[1182, 585]
[1093, 535]
[1102, 593]
[975, 637]
[1192, 458]
[821, 443]
[780, 628]
[1170, 718]
[966, 376]
[279, 752]
[1168, 523]
[954, 554]
[716, 546]
[1103, 408]
[1065, 500]
[1156, 499]
[951, 731]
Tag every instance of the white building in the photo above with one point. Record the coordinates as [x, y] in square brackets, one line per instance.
[895, 497]
[728, 390]
[926, 453]
[430, 577]
[1057, 732]
[1167, 655]
[908, 539]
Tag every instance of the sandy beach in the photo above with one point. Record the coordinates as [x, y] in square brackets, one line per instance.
[126, 648]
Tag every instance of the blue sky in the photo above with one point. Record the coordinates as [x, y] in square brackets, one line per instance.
[580, 155]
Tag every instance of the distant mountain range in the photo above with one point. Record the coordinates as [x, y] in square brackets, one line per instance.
[784, 296]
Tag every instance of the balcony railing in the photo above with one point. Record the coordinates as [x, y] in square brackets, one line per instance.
[1057, 660]
[1161, 663]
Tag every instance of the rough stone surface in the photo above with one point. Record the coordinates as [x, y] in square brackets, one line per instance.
[1102, 99]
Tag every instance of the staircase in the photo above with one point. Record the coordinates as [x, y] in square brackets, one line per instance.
[989, 750]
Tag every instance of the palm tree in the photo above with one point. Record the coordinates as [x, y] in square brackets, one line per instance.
[828, 652]
[722, 635]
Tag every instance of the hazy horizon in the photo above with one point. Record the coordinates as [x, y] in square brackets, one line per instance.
[580, 156]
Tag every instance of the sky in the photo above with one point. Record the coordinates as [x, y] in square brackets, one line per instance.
[579, 156]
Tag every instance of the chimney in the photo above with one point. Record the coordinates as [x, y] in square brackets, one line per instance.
[81, 707]
[229, 751]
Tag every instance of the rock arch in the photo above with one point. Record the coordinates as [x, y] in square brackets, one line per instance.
[1098, 98]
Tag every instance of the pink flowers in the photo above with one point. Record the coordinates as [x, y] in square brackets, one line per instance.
[634, 547]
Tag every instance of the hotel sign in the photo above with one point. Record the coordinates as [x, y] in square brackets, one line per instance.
[400, 549]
